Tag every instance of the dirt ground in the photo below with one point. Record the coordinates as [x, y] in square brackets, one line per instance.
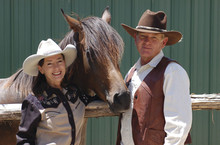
[8, 130]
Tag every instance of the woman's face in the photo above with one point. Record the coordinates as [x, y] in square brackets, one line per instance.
[54, 69]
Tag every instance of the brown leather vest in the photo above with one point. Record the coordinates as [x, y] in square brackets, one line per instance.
[148, 117]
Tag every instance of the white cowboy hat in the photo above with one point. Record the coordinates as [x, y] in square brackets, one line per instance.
[45, 49]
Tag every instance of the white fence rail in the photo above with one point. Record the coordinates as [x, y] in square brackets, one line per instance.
[100, 109]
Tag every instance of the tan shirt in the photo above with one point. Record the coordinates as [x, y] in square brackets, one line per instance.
[54, 118]
[54, 128]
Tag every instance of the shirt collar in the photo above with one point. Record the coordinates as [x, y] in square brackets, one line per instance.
[153, 63]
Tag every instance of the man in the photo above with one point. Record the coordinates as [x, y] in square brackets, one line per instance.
[160, 111]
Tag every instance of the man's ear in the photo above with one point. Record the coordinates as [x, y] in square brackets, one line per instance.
[135, 34]
[165, 40]
[40, 69]
[135, 37]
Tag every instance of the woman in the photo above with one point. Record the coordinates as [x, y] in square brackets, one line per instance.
[54, 113]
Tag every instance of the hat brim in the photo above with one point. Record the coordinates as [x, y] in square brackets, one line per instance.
[30, 65]
[173, 36]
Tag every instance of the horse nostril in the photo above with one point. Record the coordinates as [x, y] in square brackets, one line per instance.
[116, 98]
[122, 101]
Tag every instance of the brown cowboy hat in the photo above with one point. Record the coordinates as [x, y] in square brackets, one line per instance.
[154, 22]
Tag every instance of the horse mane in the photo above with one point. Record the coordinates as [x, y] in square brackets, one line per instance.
[68, 39]
[21, 82]
[101, 41]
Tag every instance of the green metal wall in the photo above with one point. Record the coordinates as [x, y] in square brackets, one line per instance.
[24, 23]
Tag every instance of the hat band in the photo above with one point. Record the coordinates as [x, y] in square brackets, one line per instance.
[151, 28]
[52, 52]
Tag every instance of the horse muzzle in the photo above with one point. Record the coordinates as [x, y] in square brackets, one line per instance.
[121, 102]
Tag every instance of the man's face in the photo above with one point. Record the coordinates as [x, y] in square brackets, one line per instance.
[149, 45]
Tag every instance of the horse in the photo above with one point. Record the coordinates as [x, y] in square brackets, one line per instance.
[95, 70]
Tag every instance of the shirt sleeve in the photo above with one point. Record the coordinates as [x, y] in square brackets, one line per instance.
[177, 105]
[30, 117]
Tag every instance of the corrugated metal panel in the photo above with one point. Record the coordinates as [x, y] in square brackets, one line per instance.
[5, 38]
[199, 73]
[200, 46]
[181, 50]
[102, 131]
[214, 46]
[214, 67]
[20, 30]
[25, 23]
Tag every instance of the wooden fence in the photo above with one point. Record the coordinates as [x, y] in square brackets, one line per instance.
[11, 112]
[100, 109]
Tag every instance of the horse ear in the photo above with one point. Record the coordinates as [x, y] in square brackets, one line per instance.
[106, 15]
[74, 24]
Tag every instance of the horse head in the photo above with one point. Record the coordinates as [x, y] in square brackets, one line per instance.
[99, 52]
